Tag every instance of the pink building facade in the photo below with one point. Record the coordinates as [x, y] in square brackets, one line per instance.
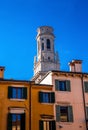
[71, 97]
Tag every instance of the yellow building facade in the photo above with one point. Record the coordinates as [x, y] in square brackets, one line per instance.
[14, 105]
[42, 107]
[25, 105]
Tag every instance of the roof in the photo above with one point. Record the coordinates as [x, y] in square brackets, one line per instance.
[13, 80]
[67, 72]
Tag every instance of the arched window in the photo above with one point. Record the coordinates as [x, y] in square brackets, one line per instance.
[48, 44]
[49, 58]
[42, 46]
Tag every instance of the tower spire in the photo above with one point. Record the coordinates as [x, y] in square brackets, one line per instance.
[47, 58]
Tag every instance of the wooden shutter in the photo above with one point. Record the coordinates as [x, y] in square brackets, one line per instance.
[57, 113]
[52, 125]
[86, 112]
[70, 114]
[86, 86]
[9, 121]
[56, 85]
[9, 92]
[52, 97]
[40, 96]
[41, 125]
[68, 88]
[24, 96]
[23, 121]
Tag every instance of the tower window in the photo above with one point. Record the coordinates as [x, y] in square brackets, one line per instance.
[42, 46]
[48, 44]
[48, 58]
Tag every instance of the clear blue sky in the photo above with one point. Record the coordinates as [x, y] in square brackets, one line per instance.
[19, 20]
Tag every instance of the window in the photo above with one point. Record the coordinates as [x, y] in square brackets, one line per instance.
[49, 58]
[86, 86]
[16, 121]
[64, 113]
[17, 92]
[42, 46]
[87, 112]
[47, 125]
[62, 85]
[48, 44]
[46, 97]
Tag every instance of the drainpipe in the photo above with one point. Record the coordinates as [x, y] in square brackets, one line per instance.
[30, 106]
[83, 92]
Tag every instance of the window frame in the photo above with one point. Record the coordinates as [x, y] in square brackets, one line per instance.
[65, 88]
[49, 124]
[49, 99]
[23, 93]
[69, 113]
[10, 122]
[86, 86]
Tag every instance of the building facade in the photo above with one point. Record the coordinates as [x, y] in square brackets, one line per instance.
[42, 106]
[14, 104]
[25, 105]
[71, 97]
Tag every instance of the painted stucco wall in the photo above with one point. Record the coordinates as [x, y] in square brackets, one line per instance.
[6, 103]
[73, 98]
[37, 108]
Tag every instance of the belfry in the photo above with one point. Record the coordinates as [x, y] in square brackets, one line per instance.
[47, 59]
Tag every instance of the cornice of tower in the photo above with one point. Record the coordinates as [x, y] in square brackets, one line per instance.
[45, 34]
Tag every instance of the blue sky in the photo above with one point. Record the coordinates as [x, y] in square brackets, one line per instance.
[19, 20]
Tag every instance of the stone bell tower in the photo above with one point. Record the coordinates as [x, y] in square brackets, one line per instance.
[46, 58]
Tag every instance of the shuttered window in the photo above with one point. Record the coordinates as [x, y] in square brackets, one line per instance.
[46, 97]
[16, 121]
[64, 113]
[62, 85]
[47, 125]
[17, 92]
[86, 86]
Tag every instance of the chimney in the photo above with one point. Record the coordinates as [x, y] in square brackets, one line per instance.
[2, 72]
[75, 66]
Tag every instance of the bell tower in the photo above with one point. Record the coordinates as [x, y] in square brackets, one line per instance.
[46, 58]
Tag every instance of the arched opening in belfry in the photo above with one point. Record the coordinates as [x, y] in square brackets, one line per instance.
[42, 46]
[48, 44]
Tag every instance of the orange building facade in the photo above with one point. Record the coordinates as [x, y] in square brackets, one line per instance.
[25, 105]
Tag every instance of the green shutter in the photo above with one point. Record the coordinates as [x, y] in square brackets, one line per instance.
[70, 114]
[86, 112]
[41, 125]
[40, 96]
[86, 86]
[23, 121]
[68, 88]
[52, 97]
[24, 96]
[9, 122]
[9, 92]
[57, 113]
[56, 85]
